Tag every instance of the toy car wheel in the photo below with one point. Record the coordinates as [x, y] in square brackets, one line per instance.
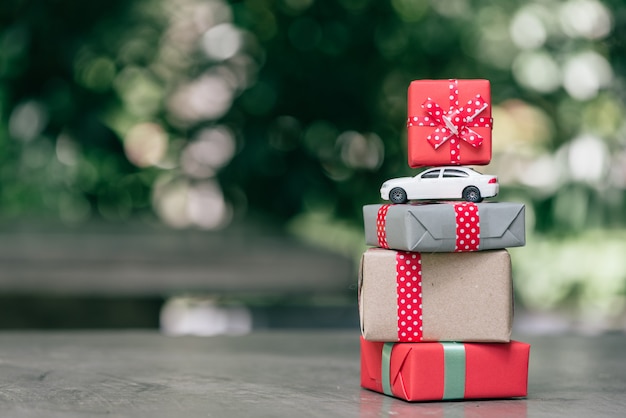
[397, 195]
[472, 194]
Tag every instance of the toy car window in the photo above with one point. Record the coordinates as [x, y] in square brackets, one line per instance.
[454, 173]
[432, 174]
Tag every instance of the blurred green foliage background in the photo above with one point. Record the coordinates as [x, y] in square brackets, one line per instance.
[200, 113]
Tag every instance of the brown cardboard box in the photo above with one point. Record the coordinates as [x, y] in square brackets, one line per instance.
[464, 296]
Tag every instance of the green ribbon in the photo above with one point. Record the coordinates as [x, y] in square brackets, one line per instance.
[454, 370]
[386, 366]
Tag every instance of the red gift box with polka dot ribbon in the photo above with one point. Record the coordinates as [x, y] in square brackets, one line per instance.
[420, 297]
[449, 122]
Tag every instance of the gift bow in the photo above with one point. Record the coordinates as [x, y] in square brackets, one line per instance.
[454, 124]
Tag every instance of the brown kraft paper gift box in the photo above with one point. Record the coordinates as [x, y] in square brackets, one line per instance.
[463, 296]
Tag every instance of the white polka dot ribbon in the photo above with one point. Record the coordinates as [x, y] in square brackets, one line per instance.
[453, 125]
[409, 295]
[381, 221]
[467, 222]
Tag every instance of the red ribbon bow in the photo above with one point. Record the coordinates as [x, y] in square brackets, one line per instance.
[454, 124]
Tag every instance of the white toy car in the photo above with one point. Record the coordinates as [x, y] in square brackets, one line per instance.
[441, 183]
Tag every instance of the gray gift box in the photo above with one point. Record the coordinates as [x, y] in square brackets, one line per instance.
[431, 227]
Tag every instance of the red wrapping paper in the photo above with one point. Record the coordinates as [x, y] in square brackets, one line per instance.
[446, 125]
[417, 370]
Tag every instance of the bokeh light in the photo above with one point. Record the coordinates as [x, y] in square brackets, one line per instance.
[585, 18]
[361, 151]
[528, 29]
[207, 98]
[145, 144]
[211, 149]
[537, 70]
[222, 42]
[588, 159]
[140, 91]
[66, 150]
[182, 203]
[207, 208]
[28, 119]
[585, 74]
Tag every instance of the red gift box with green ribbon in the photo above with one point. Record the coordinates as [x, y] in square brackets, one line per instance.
[449, 122]
[446, 370]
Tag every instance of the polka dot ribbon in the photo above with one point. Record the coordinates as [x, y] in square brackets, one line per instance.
[381, 220]
[409, 295]
[467, 227]
[453, 124]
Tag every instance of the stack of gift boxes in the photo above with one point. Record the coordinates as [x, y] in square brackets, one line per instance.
[435, 291]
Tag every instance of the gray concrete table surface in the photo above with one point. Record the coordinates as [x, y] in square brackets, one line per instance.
[274, 374]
